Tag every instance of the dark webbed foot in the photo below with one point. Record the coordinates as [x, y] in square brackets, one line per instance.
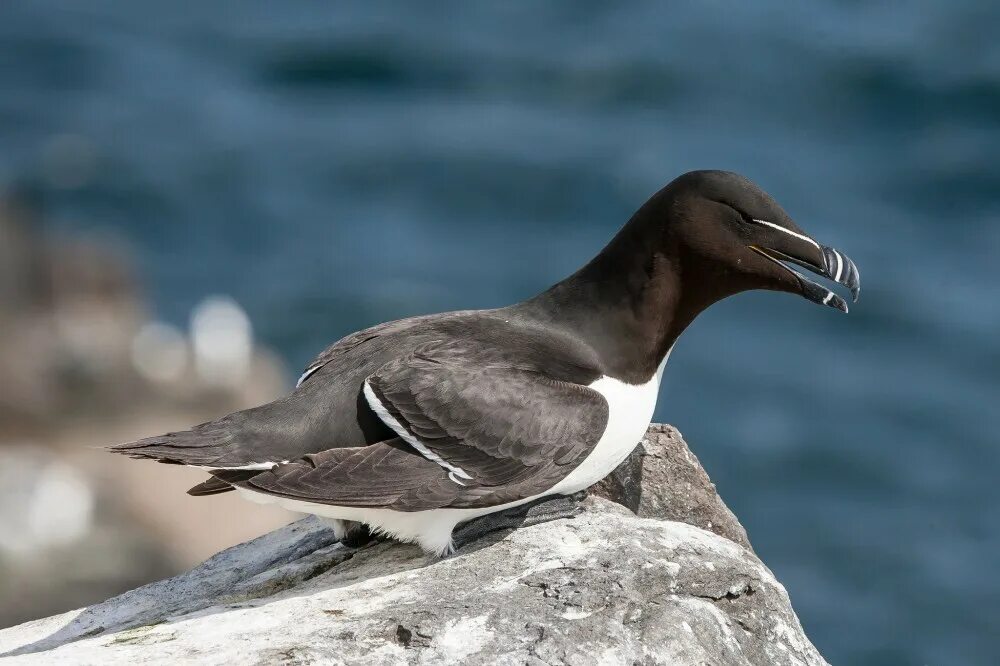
[542, 510]
[358, 535]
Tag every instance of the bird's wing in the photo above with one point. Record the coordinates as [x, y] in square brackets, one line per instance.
[474, 430]
[499, 426]
[389, 474]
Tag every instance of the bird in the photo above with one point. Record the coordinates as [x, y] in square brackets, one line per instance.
[414, 427]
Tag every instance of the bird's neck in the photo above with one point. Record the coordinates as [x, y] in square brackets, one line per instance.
[632, 301]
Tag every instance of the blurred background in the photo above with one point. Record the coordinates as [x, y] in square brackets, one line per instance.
[199, 197]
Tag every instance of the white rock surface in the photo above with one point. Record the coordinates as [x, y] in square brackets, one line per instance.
[606, 587]
[603, 588]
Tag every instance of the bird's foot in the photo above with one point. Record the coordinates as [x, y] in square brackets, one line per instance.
[541, 510]
[348, 532]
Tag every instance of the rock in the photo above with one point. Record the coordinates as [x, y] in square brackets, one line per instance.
[606, 587]
[663, 479]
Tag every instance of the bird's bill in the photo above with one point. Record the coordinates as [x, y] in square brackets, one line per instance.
[822, 260]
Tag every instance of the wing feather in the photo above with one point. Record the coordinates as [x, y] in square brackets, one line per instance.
[389, 474]
[501, 423]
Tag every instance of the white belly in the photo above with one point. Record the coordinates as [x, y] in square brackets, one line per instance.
[630, 410]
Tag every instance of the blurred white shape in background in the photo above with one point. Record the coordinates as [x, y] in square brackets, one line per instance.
[159, 352]
[44, 503]
[223, 341]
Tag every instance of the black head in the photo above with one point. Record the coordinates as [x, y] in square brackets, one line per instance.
[725, 229]
[705, 236]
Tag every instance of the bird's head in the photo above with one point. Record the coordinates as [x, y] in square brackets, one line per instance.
[734, 235]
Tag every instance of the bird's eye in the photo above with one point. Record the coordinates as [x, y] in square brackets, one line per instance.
[746, 217]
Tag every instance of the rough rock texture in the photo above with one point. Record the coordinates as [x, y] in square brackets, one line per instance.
[606, 587]
[663, 479]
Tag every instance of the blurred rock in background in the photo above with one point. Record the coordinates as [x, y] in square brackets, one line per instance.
[84, 365]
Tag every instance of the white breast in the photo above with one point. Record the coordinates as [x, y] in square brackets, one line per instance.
[630, 410]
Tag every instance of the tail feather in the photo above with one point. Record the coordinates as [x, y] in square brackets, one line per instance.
[203, 446]
[240, 445]
[221, 481]
[250, 438]
[213, 486]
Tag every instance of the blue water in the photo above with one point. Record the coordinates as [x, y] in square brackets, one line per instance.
[331, 169]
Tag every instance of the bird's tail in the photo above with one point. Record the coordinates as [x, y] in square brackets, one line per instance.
[205, 445]
[209, 445]
[250, 440]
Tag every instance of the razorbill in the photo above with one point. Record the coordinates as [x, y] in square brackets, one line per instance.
[414, 426]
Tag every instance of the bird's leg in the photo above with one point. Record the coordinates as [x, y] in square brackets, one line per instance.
[348, 532]
[338, 526]
[541, 510]
[358, 535]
